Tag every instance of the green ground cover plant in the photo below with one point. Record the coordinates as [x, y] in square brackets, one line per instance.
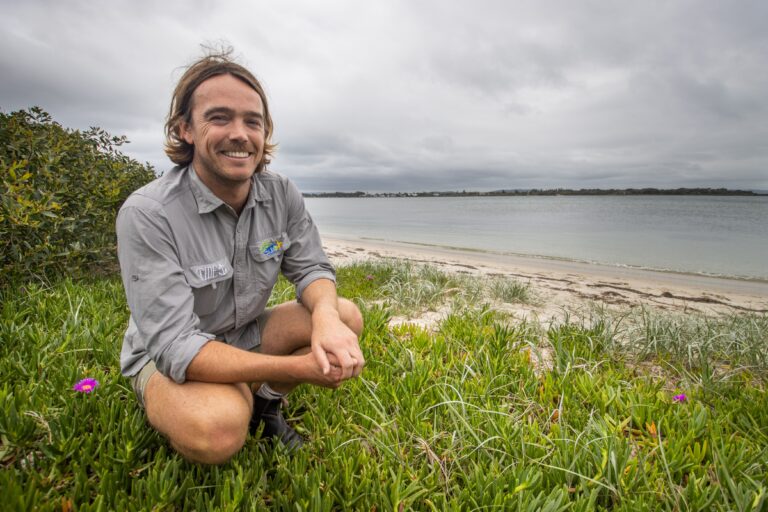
[635, 412]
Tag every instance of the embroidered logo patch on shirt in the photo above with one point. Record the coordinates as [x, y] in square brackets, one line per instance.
[270, 247]
[210, 271]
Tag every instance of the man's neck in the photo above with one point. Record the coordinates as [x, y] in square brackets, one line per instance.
[233, 193]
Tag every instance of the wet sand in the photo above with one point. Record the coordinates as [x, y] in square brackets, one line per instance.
[563, 286]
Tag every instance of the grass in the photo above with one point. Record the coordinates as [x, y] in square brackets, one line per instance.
[409, 289]
[452, 419]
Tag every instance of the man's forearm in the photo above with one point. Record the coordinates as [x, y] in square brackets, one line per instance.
[219, 362]
[320, 296]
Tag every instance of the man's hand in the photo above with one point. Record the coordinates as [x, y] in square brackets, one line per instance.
[332, 339]
[312, 372]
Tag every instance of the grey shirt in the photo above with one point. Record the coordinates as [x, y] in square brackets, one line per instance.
[193, 270]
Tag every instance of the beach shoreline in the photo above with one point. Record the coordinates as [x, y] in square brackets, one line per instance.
[564, 286]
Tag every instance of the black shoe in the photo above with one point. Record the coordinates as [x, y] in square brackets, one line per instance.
[268, 412]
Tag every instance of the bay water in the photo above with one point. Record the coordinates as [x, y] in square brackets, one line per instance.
[711, 235]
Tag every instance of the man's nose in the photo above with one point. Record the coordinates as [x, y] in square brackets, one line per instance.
[238, 131]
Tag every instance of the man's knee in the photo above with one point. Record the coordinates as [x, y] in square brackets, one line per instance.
[211, 440]
[205, 423]
[350, 314]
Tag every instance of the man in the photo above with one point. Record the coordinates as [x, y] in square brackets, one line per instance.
[200, 249]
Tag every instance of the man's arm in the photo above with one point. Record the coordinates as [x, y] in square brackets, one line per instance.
[158, 294]
[331, 336]
[306, 265]
[219, 362]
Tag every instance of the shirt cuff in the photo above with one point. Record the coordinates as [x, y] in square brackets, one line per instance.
[311, 278]
[184, 352]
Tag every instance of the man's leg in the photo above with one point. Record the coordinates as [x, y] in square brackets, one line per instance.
[204, 422]
[208, 422]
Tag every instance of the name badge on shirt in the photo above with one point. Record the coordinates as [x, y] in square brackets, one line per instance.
[211, 271]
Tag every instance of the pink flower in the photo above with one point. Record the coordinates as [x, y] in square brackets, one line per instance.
[369, 277]
[86, 385]
[679, 398]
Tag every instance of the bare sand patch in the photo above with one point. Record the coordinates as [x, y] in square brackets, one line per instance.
[567, 288]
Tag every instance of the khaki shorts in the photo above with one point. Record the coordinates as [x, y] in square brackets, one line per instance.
[140, 380]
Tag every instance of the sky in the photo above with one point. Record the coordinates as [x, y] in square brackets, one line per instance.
[396, 95]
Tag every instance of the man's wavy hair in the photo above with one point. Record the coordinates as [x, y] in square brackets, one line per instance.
[213, 64]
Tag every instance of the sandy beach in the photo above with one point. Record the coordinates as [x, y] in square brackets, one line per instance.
[567, 287]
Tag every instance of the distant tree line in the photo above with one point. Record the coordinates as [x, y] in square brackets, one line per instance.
[552, 192]
[648, 191]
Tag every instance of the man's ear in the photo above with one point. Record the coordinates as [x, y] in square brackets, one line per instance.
[185, 132]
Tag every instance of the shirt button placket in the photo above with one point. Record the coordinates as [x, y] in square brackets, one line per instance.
[238, 273]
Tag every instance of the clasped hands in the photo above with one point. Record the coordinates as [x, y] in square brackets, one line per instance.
[336, 353]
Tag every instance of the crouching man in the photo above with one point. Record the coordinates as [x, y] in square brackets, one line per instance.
[200, 250]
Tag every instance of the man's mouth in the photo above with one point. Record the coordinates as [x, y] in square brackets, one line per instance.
[236, 154]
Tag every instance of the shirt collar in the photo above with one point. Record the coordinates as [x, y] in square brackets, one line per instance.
[207, 201]
[257, 190]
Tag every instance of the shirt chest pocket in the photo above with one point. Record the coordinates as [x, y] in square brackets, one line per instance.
[210, 283]
[266, 258]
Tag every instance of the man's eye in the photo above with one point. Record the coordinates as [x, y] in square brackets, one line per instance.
[217, 119]
[256, 123]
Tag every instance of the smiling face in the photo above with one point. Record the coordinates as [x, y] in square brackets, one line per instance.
[227, 132]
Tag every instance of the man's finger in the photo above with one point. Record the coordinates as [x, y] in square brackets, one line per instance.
[347, 364]
[359, 362]
[333, 359]
[356, 353]
[321, 359]
[358, 368]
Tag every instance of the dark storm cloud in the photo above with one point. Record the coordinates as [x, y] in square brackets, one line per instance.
[428, 95]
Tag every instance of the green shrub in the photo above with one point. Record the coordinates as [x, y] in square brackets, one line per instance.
[61, 190]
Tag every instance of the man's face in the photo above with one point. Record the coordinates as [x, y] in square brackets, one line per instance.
[227, 131]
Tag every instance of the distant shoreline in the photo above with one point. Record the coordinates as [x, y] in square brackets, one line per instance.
[597, 264]
[728, 282]
[548, 192]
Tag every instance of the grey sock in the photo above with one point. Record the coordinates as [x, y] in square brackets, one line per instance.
[266, 392]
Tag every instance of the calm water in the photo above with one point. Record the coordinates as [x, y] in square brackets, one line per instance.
[704, 234]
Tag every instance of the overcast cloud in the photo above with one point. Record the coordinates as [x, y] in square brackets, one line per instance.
[427, 95]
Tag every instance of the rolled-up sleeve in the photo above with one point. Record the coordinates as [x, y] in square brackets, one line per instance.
[304, 261]
[159, 297]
